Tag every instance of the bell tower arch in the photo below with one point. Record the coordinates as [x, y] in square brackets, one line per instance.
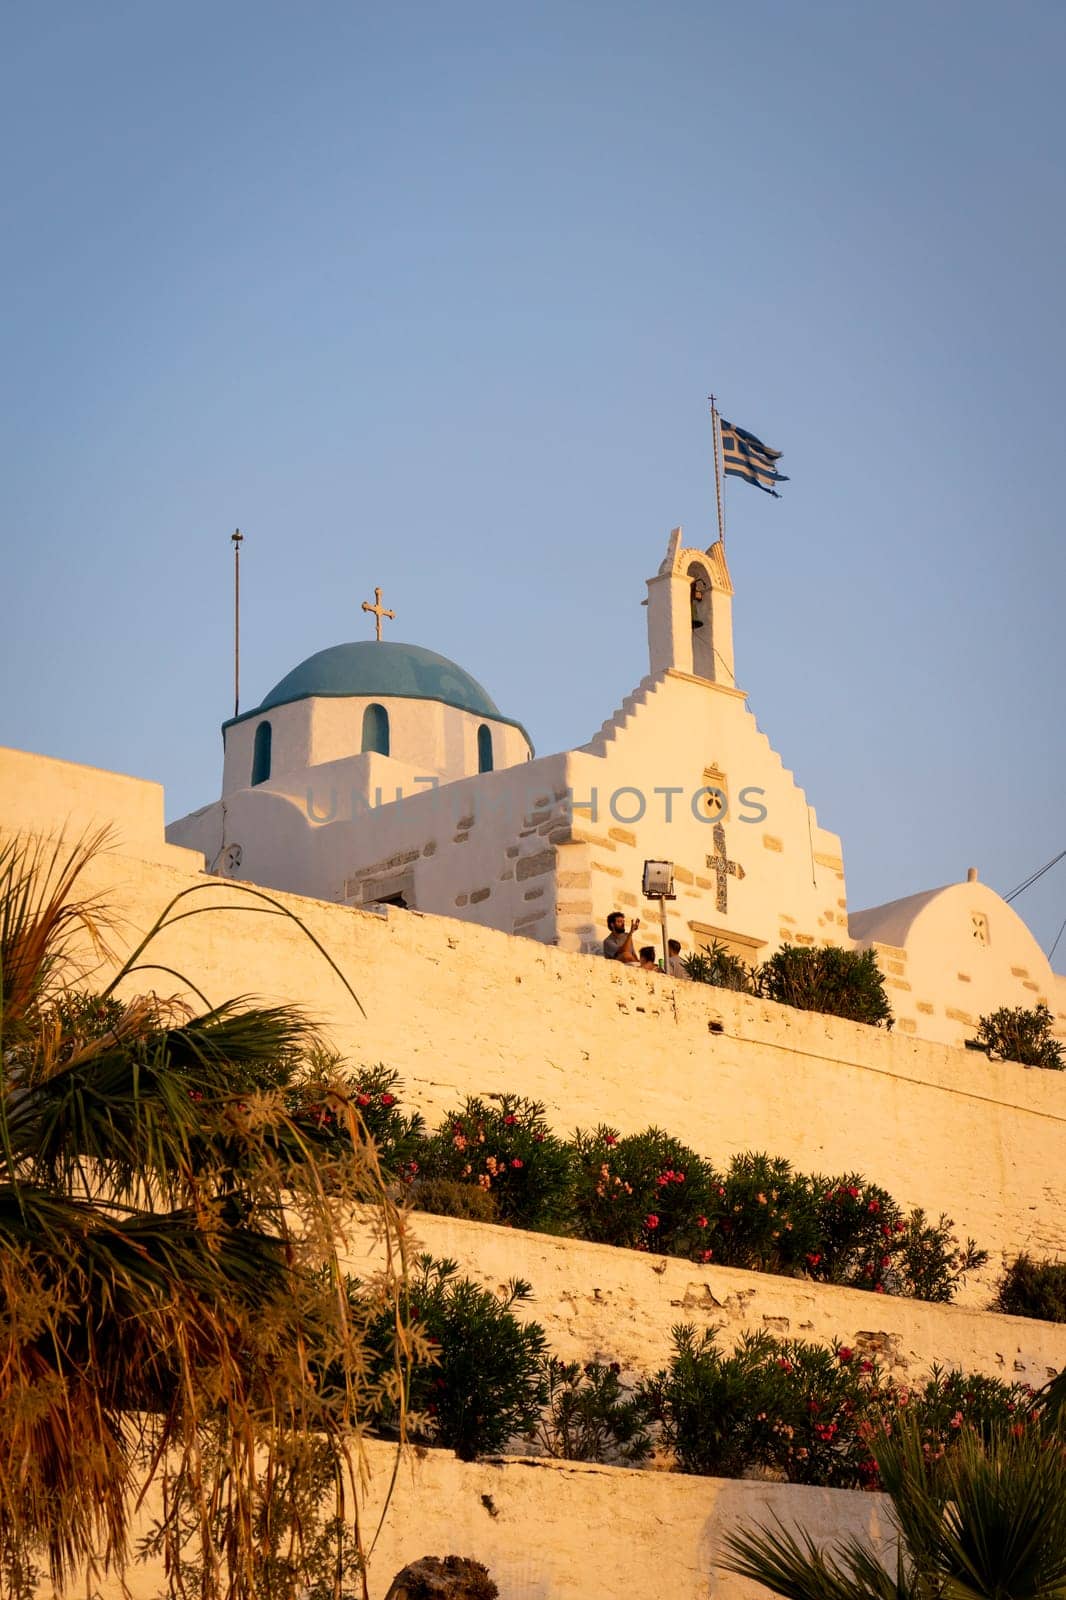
[690, 613]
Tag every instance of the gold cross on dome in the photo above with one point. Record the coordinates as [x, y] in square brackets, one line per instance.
[378, 611]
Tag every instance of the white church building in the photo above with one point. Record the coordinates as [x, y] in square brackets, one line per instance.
[380, 773]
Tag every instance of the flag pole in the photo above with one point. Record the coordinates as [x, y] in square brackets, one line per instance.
[717, 472]
[237, 539]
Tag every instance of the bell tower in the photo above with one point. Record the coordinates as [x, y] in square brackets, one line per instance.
[690, 613]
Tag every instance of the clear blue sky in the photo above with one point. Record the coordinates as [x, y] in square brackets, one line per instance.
[431, 296]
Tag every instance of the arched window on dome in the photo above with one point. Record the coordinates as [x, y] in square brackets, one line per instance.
[261, 754]
[484, 748]
[376, 730]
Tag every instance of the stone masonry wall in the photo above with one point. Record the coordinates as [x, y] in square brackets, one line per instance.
[458, 1010]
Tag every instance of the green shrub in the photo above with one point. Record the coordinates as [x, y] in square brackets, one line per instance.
[720, 967]
[839, 983]
[866, 1242]
[1033, 1289]
[645, 1192]
[504, 1145]
[949, 1401]
[714, 1410]
[445, 1197]
[931, 1263]
[375, 1092]
[488, 1382]
[783, 1408]
[591, 1416]
[808, 1412]
[859, 1228]
[303, 1543]
[765, 1218]
[1023, 1034]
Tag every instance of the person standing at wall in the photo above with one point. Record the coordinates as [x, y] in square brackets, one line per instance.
[618, 945]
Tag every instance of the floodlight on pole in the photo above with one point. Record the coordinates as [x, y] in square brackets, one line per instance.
[658, 884]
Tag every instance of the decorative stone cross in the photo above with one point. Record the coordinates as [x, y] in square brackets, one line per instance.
[378, 611]
[722, 867]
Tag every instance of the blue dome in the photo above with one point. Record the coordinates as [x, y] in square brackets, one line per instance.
[382, 669]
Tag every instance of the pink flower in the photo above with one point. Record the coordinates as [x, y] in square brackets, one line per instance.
[701, 1222]
[388, 1099]
[813, 1260]
[705, 1255]
[509, 1121]
[866, 1366]
[874, 1205]
[879, 1288]
[651, 1220]
[845, 1353]
[538, 1138]
[517, 1163]
[362, 1099]
[609, 1138]
[784, 1364]
[854, 1193]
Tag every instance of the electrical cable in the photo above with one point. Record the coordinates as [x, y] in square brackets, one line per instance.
[1033, 877]
[1058, 936]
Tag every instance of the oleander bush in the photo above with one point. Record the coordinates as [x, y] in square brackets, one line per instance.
[1023, 1034]
[503, 1145]
[496, 1160]
[858, 1227]
[1033, 1289]
[809, 1413]
[836, 982]
[485, 1382]
[932, 1264]
[592, 1416]
[646, 1191]
[764, 1217]
[375, 1094]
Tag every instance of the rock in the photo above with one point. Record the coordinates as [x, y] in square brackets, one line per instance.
[450, 1578]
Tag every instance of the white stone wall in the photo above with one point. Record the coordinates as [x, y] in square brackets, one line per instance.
[550, 1530]
[600, 1303]
[459, 1009]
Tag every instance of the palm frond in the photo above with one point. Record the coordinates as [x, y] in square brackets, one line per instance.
[795, 1567]
[168, 1247]
[43, 927]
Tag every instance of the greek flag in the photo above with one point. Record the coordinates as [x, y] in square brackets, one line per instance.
[744, 456]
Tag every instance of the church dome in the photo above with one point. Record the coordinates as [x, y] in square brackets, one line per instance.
[383, 669]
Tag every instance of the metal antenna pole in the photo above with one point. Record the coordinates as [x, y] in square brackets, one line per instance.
[717, 470]
[237, 538]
